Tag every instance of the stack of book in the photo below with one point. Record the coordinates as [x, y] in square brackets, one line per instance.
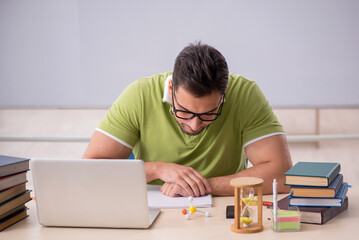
[13, 192]
[317, 189]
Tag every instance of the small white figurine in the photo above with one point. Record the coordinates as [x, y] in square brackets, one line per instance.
[192, 209]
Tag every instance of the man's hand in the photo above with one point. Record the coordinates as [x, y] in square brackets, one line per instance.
[191, 181]
[173, 190]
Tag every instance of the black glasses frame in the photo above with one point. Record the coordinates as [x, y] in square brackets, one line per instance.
[175, 111]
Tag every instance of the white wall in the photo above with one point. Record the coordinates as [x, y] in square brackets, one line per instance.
[83, 53]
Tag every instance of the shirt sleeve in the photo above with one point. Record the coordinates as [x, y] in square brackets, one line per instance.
[122, 121]
[259, 118]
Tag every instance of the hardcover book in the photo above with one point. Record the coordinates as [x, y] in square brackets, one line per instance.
[12, 192]
[22, 206]
[312, 174]
[329, 192]
[12, 180]
[337, 201]
[13, 218]
[315, 215]
[10, 165]
[14, 202]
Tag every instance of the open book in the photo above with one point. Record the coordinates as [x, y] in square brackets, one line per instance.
[157, 200]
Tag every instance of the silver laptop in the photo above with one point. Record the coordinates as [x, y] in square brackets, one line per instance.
[91, 193]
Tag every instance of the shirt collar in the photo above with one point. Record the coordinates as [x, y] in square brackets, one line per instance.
[166, 94]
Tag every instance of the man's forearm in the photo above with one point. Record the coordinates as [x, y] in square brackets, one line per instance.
[266, 171]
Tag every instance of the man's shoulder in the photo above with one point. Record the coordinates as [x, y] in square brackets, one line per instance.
[239, 81]
[240, 86]
[154, 79]
[244, 94]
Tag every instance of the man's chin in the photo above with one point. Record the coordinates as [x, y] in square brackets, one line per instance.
[191, 132]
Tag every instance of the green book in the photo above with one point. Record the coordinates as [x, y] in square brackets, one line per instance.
[319, 174]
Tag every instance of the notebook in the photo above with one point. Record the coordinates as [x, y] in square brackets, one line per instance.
[91, 193]
[157, 200]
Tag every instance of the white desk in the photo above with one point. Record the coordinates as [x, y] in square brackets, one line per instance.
[171, 225]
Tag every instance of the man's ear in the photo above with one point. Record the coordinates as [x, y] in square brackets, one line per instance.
[170, 87]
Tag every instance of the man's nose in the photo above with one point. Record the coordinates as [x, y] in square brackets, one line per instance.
[195, 123]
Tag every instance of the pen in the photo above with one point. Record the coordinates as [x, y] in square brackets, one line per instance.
[275, 204]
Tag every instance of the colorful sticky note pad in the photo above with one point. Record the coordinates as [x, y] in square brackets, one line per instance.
[287, 221]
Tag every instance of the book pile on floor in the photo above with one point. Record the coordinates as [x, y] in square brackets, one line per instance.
[13, 192]
[317, 189]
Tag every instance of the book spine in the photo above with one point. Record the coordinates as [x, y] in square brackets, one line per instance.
[342, 191]
[335, 171]
[327, 215]
[338, 183]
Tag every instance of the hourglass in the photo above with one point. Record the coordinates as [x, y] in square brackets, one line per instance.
[248, 205]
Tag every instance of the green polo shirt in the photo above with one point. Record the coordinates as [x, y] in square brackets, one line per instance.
[141, 119]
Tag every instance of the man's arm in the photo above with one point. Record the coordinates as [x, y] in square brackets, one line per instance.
[270, 158]
[193, 183]
[102, 146]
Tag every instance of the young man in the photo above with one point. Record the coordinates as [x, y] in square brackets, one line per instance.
[191, 128]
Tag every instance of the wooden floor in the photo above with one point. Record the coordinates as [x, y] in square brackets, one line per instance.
[81, 123]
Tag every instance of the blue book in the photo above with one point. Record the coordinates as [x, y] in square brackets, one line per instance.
[328, 192]
[337, 201]
[11, 165]
[315, 215]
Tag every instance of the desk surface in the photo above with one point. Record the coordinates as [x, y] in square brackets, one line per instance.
[171, 224]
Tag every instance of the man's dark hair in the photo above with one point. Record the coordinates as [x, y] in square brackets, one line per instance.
[200, 69]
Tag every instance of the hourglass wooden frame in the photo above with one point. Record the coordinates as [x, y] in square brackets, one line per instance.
[240, 185]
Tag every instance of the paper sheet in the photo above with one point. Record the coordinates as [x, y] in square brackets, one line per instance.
[157, 200]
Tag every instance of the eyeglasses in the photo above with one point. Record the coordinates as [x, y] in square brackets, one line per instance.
[206, 117]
